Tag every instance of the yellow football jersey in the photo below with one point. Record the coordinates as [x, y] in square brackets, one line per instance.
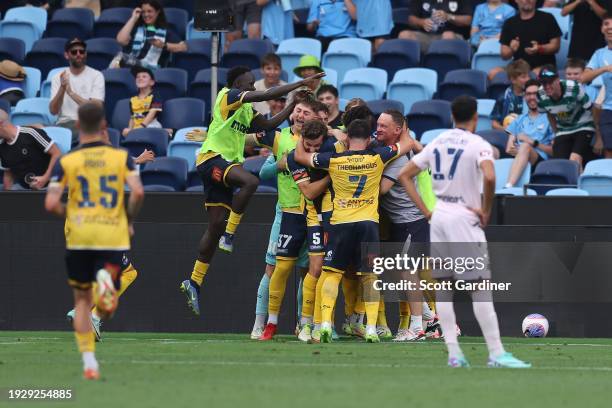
[95, 175]
[355, 181]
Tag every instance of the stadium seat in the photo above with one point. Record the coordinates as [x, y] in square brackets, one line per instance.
[5, 105]
[45, 87]
[72, 22]
[32, 111]
[515, 191]
[46, 54]
[266, 189]
[184, 149]
[463, 82]
[561, 55]
[498, 85]
[597, 178]
[567, 192]
[200, 86]
[378, 106]
[119, 84]
[177, 20]
[111, 21]
[158, 188]
[167, 171]
[12, 49]
[186, 5]
[195, 189]
[25, 23]
[121, 114]
[196, 58]
[412, 85]
[428, 136]
[555, 172]
[170, 83]
[364, 83]
[488, 56]
[396, 54]
[193, 34]
[36, 16]
[246, 52]
[146, 138]
[447, 55]
[61, 136]
[502, 170]
[180, 134]
[563, 21]
[291, 50]
[345, 54]
[497, 138]
[32, 82]
[254, 164]
[429, 114]
[194, 180]
[183, 112]
[114, 137]
[101, 51]
[485, 107]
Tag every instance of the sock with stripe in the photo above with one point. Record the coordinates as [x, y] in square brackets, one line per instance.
[318, 296]
[278, 284]
[404, 313]
[329, 293]
[309, 292]
[197, 275]
[382, 316]
[232, 222]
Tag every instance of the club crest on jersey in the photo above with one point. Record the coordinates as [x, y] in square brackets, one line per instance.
[452, 5]
[426, 6]
[24, 151]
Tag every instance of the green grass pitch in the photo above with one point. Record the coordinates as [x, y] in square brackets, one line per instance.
[214, 370]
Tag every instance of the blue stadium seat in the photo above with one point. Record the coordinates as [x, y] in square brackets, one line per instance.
[291, 50]
[120, 118]
[427, 115]
[447, 55]
[396, 54]
[263, 189]
[485, 107]
[146, 138]
[36, 16]
[200, 86]
[193, 34]
[561, 55]
[498, 85]
[597, 178]
[12, 49]
[25, 23]
[430, 135]
[576, 192]
[502, 170]
[114, 137]
[254, 164]
[194, 180]
[158, 188]
[177, 20]
[183, 112]
[119, 84]
[345, 54]
[365, 83]
[101, 51]
[186, 5]
[246, 52]
[61, 136]
[180, 134]
[45, 87]
[195, 189]
[167, 171]
[71, 23]
[170, 83]
[184, 149]
[553, 172]
[412, 85]
[111, 21]
[488, 56]
[463, 82]
[515, 191]
[497, 138]
[400, 15]
[563, 21]
[32, 111]
[378, 106]
[5, 105]
[32, 81]
[196, 58]
[46, 54]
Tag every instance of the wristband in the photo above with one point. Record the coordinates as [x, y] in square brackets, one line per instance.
[540, 49]
[536, 143]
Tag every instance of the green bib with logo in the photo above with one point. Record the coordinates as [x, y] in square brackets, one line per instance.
[289, 195]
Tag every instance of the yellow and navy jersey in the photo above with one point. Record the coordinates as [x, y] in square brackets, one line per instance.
[355, 181]
[140, 107]
[95, 174]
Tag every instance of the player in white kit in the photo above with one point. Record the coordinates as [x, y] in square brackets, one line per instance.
[462, 164]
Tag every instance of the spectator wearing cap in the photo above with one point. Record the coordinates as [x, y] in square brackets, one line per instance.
[11, 81]
[145, 106]
[146, 38]
[331, 20]
[569, 113]
[309, 65]
[374, 19]
[75, 86]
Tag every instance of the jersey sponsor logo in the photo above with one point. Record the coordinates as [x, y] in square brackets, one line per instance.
[354, 203]
[24, 151]
[329, 255]
[217, 174]
[239, 127]
[299, 174]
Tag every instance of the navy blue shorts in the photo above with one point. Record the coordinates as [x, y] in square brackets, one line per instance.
[605, 127]
[213, 172]
[83, 265]
[417, 230]
[355, 243]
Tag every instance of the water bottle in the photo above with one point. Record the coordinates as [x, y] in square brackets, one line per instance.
[436, 22]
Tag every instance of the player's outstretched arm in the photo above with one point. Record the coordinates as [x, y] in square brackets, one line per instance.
[278, 91]
[406, 178]
[261, 123]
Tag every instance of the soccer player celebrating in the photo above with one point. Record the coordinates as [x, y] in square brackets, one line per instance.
[459, 160]
[219, 165]
[98, 227]
[355, 177]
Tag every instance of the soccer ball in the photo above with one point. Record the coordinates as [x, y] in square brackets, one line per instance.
[535, 325]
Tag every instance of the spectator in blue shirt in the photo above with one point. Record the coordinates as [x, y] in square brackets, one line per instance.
[511, 102]
[374, 19]
[488, 20]
[276, 20]
[529, 136]
[331, 20]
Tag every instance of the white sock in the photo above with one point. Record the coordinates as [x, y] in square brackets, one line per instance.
[272, 319]
[448, 321]
[487, 319]
[317, 326]
[326, 326]
[89, 360]
[428, 314]
[416, 323]
[305, 320]
[260, 320]
[370, 329]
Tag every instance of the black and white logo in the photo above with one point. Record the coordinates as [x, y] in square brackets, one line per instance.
[453, 6]
[24, 151]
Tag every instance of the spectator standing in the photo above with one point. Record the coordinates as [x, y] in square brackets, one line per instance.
[328, 94]
[271, 68]
[511, 102]
[11, 82]
[586, 28]
[27, 155]
[245, 12]
[276, 20]
[488, 20]
[146, 106]
[374, 19]
[331, 20]
[75, 86]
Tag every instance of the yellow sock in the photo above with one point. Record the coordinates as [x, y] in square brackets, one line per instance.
[329, 292]
[278, 283]
[232, 222]
[359, 307]
[85, 341]
[371, 298]
[382, 317]
[199, 271]
[309, 290]
[349, 289]
[318, 296]
[404, 312]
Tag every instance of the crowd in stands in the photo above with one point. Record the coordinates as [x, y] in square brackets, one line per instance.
[151, 69]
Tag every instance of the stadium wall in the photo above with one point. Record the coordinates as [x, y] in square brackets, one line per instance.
[34, 294]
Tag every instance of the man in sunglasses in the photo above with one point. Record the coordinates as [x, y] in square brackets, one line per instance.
[75, 86]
